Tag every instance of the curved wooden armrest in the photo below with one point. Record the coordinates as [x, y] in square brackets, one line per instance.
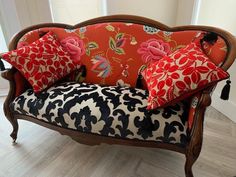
[204, 102]
[205, 99]
[8, 74]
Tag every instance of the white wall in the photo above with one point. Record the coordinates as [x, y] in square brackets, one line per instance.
[18, 14]
[184, 12]
[3, 48]
[161, 10]
[9, 18]
[75, 11]
[211, 14]
[32, 12]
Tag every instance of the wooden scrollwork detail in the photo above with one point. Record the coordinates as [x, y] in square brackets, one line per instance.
[9, 75]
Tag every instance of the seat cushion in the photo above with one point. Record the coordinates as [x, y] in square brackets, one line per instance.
[105, 110]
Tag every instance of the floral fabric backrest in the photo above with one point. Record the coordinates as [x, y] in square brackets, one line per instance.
[114, 52]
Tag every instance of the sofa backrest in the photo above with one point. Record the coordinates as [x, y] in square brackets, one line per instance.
[114, 49]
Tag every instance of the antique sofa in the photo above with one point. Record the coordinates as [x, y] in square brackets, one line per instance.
[104, 100]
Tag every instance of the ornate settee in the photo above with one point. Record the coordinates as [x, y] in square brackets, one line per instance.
[105, 99]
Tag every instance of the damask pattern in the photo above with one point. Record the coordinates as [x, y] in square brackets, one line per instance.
[105, 110]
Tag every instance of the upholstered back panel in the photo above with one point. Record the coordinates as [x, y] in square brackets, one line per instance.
[114, 52]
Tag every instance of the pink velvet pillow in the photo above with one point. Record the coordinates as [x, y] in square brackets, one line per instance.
[43, 62]
[180, 75]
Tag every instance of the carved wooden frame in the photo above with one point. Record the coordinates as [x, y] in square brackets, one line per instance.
[194, 144]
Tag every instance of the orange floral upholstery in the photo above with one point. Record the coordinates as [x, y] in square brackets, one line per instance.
[114, 52]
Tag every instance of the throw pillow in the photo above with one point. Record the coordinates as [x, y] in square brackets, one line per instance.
[43, 62]
[179, 75]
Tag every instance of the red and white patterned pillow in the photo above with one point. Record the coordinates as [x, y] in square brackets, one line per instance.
[43, 62]
[179, 75]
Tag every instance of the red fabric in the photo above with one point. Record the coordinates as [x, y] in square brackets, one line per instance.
[215, 52]
[192, 109]
[153, 49]
[43, 62]
[74, 46]
[115, 51]
[21, 83]
[179, 75]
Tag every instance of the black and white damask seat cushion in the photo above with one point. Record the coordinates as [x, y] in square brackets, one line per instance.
[105, 110]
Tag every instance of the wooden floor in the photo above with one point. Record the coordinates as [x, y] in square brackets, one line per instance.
[44, 153]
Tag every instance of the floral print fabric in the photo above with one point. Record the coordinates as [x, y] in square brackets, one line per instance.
[74, 46]
[180, 74]
[43, 62]
[153, 49]
[114, 52]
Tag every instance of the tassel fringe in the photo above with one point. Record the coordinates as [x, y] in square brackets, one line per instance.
[225, 91]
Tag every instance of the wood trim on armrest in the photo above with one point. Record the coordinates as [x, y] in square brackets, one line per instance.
[204, 102]
[195, 137]
[8, 74]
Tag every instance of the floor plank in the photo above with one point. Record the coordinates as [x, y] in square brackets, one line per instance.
[44, 153]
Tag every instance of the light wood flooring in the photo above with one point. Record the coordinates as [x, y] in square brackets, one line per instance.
[44, 153]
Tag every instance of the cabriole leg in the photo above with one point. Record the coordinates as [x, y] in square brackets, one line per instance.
[188, 166]
[193, 151]
[15, 130]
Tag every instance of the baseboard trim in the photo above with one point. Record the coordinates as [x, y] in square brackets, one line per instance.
[228, 108]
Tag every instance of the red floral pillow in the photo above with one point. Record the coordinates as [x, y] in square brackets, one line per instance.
[43, 62]
[179, 75]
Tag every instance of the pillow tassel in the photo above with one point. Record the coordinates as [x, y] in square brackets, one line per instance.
[225, 91]
[2, 67]
[139, 83]
[81, 74]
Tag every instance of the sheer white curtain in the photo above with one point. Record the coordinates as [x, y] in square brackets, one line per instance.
[3, 46]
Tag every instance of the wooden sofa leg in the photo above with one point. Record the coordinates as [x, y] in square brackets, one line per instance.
[193, 150]
[12, 120]
[191, 156]
[188, 166]
[194, 146]
[9, 75]
[15, 130]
